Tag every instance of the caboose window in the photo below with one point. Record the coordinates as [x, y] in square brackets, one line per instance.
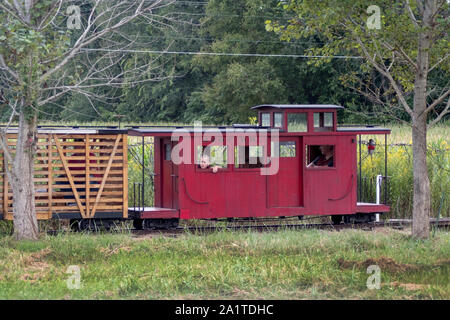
[323, 121]
[297, 122]
[328, 119]
[217, 155]
[265, 119]
[167, 152]
[248, 157]
[320, 156]
[277, 119]
[283, 149]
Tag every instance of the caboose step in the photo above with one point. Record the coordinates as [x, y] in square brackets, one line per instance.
[153, 213]
[365, 207]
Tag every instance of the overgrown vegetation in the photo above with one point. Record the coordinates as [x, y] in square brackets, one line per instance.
[227, 265]
[400, 173]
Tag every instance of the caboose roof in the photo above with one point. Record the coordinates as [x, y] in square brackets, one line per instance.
[71, 130]
[299, 106]
[237, 128]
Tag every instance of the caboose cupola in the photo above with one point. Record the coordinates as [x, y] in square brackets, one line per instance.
[307, 118]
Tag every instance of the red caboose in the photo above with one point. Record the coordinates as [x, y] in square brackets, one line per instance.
[295, 162]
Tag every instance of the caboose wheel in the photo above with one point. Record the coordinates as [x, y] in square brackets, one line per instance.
[161, 223]
[336, 219]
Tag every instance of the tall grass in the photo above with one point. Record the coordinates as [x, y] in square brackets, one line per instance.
[400, 168]
[311, 264]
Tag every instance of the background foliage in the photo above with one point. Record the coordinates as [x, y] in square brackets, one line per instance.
[218, 89]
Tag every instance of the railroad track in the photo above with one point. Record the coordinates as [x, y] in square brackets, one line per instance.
[393, 223]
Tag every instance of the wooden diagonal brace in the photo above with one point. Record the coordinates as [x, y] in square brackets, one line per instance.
[105, 176]
[69, 176]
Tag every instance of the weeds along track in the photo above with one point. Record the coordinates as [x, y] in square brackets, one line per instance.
[281, 227]
[264, 226]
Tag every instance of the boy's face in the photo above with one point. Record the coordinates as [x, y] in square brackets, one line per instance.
[204, 162]
[325, 149]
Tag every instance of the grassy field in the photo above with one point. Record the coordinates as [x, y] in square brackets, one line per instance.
[228, 265]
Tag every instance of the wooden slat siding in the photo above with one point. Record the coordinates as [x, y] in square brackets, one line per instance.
[105, 175]
[69, 176]
[50, 177]
[81, 179]
[125, 174]
[82, 158]
[56, 165]
[107, 200]
[91, 171]
[87, 185]
[50, 170]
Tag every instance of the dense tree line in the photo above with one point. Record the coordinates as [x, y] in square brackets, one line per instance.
[219, 89]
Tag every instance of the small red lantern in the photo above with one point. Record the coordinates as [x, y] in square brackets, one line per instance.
[371, 147]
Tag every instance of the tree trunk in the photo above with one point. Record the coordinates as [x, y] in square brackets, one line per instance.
[25, 220]
[422, 194]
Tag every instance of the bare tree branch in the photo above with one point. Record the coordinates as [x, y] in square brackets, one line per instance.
[441, 115]
[437, 101]
[387, 74]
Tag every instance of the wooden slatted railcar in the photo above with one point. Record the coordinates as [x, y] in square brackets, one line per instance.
[79, 174]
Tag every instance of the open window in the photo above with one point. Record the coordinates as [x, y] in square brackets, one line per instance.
[208, 157]
[297, 122]
[248, 157]
[283, 149]
[320, 156]
[323, 121]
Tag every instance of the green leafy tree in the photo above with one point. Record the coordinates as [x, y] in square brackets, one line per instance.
[240, 82]
[167, 99]
[406, 43]
[51, 48]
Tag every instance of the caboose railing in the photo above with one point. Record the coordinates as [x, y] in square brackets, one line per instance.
[367, 190]
[138, 197]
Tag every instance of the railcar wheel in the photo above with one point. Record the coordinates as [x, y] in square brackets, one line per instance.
[360, 218]
[74, 225]
[161, 223]
[138, 224]
[105, 224]
[85, 224]
[90, 225]
[336, 219]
